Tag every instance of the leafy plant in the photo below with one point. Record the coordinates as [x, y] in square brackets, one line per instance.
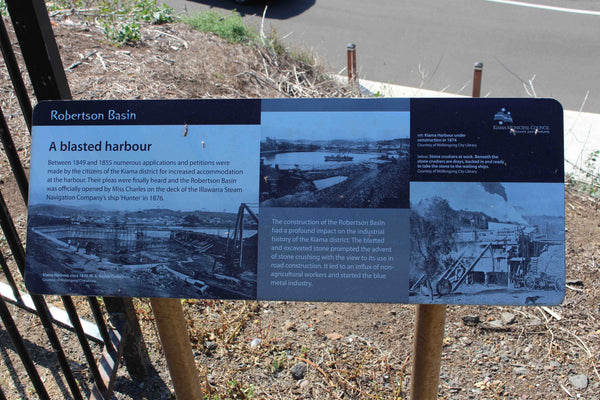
[149, 11]
[127, 33]
[121, 19]
[590, 181]
[278, 362]
[237, 391]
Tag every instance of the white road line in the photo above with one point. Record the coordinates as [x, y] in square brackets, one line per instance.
[543, 7]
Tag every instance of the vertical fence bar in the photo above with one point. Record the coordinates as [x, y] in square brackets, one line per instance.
[15, 74]
[85, 345]
[13, 158]
[40, 51]
[12, 237]
[99, 319]
[17, 341]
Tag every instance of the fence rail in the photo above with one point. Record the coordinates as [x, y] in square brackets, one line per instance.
[123, 339]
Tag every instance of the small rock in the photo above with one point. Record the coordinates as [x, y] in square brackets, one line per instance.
[579, 382]
[328, 312]
[495, 325]
[290, 326]
[255, 342]
[535, 322]
[466, 341]
[298, 371]
[471, 320]
[334, 336]
[520, 371]
[210, 346]
[508, 318]
[304, 384]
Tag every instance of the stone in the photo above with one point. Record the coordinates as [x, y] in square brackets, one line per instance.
[290, 326]
[520, 371]
[334, 336]
[495, 325]
[298, 371]
[508, 318]
[210, 346]
[471, 320]
[579, 382]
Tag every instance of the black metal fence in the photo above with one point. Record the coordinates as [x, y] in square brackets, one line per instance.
[115, 327]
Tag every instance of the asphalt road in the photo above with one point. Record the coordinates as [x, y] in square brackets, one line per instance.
[553, 51]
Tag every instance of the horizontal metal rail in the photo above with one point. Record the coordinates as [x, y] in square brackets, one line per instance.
[57, 315]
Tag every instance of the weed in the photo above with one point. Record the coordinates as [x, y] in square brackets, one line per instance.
[149, 11]
[237, 391]
[278, 362]
[230, 27]
[127, 33]
[120, 18]
[588, 178]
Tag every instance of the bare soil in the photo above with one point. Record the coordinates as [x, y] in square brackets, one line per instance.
[284, 350]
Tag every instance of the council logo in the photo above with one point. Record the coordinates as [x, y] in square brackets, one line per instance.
[503, 116]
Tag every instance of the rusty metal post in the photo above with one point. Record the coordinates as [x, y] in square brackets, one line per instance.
[477, 70]
[176, 344]
[427, 351]
[351, 47]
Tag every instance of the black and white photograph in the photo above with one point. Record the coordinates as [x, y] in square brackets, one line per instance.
[487, 243]
[335, 159]
[146, 253]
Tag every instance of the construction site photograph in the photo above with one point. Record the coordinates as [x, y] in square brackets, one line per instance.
[144, 253]
[487, 243]
[335, 159]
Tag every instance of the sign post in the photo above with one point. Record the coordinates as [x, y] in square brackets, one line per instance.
[427, 351]
[177, 348]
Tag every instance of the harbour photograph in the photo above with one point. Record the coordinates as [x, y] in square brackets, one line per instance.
[335, 160]
[145, 253]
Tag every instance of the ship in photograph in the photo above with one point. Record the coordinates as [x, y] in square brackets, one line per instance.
[146, 253]
[485, 255]
[335, 173]
[338, 157]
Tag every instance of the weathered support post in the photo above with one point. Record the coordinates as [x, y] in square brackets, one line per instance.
[123, 317]
[427, 351]
[477, 71]
[177, 347]
[351, 47]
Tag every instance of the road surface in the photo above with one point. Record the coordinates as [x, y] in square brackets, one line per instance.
[528, 49]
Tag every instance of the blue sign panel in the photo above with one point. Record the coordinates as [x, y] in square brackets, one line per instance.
[456, 201]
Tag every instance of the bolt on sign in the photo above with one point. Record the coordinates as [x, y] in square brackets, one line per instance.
[457, 201]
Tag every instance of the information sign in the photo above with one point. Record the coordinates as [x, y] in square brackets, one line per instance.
[363, 200]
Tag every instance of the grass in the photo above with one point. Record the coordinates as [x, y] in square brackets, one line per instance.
[229, 27]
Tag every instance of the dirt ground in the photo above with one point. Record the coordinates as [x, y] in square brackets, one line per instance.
[285, 350]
